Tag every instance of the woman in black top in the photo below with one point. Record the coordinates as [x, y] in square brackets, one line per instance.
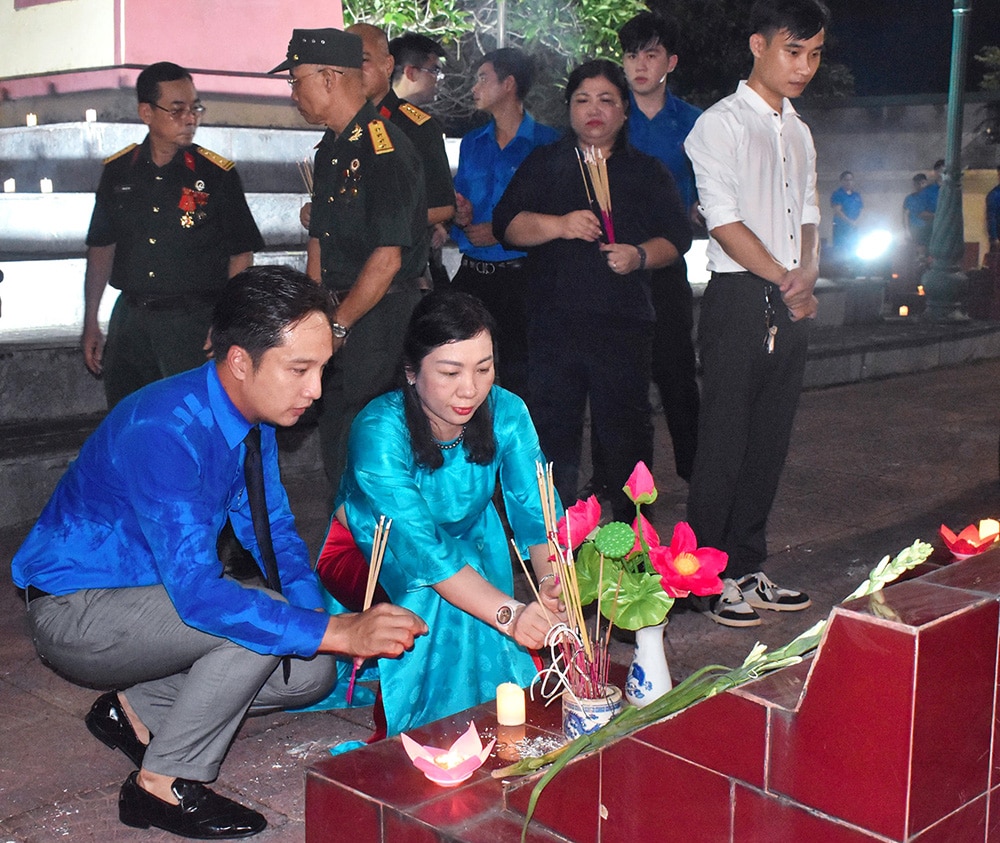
[589, 298]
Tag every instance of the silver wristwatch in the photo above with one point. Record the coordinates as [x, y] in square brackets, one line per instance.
[340, 331]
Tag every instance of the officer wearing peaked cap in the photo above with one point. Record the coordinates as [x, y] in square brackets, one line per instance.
[368, 236]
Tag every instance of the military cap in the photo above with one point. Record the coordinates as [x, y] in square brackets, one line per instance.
[322, 46]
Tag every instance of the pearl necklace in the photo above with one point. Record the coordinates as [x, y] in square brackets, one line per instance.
[455, 444]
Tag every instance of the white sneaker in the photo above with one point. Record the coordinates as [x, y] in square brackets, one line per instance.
[759, 592]
[730, 608]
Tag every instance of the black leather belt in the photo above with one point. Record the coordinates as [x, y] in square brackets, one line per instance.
[183, 302]
[32, 593]
[489, 267]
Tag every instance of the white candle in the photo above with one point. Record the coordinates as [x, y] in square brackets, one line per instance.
[510, 704]
[904, 310]
[90, 115]
[31, 119]
[45, 185]
[9, 186]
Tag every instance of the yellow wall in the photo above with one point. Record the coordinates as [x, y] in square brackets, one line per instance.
[68, 35]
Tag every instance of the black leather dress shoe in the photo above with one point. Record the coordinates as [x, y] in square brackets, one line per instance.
[202, 813]
[107, 722]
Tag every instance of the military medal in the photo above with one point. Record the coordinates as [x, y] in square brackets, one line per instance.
[191, 203]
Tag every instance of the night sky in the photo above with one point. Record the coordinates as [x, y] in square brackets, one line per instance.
[904, 46]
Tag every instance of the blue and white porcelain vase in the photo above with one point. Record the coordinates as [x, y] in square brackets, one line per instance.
[648, 675]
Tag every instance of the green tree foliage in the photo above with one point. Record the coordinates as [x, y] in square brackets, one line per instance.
[560, 34]
[989, 59]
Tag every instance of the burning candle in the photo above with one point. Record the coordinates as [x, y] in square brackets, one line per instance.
[9, 186]
[31, 119]
[90, 115]
[45, 185]
[510, 704]
[904, 310]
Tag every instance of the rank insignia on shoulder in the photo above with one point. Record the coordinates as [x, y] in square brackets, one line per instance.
[415, 114]
[120, 153]
[215, 158]
[380, 137]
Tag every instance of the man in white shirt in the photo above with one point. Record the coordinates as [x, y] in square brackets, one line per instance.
[755, 168]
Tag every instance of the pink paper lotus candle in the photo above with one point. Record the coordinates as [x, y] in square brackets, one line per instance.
[973, 539]
[449, 767]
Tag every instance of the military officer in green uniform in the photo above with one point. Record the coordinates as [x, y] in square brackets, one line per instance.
[170, 225]
[368, 235]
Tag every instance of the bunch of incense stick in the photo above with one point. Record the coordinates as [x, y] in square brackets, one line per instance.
[586, 661]
[597, 167]
[374, 566]
[306, 171]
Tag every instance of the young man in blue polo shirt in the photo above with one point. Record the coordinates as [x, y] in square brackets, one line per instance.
[487, 160]
[658, 124]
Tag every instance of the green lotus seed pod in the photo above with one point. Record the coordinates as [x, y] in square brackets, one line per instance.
[614, 540]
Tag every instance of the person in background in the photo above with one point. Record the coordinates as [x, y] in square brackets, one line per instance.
[424, 132]
[123, 580]
[658, 124]
[428, 456]
[170, 225]
[993, 217]
[417, 67]
[915, 226]
[591, 327]
[847, 206]
[487, 160]
[368, 235]
[755, 166]
[929, 196]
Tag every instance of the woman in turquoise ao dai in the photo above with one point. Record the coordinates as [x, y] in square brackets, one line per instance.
[428, 456]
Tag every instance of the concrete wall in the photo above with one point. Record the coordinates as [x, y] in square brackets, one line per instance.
[884, 141]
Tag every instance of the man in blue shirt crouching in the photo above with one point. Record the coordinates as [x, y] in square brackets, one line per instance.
[122, 573]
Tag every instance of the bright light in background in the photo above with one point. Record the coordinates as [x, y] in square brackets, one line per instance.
[874, 245]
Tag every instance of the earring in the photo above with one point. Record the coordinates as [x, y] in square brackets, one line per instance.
[411, 383]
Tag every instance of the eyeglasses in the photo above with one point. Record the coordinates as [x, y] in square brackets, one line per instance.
[437, 71]
[294, 80]
[196, 110]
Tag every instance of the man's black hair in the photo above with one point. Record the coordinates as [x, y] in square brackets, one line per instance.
[510, 61]
[412, 48]
[647, 30]
[442, 317]
[802, 19]
[147, 86]
[259, 304]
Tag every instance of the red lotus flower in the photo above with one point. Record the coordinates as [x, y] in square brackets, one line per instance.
[640, 487]
[685, 568]
[972, 539]
[582, 517]
[648, 533]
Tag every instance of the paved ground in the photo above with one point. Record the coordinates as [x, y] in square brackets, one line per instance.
[872, 467]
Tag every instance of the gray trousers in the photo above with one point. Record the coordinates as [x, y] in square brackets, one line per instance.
[189, 688]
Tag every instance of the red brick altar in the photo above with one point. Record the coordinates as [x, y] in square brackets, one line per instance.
[887, 734]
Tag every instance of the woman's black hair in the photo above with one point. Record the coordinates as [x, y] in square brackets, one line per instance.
[441, 317]
[598, 67]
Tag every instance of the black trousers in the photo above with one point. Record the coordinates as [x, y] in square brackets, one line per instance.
[503, 291]
[673, 361]
[748, 403]
[603, 360]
